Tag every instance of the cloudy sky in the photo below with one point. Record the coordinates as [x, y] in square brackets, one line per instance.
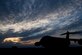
[32, 19]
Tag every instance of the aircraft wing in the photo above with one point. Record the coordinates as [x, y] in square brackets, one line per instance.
[71, 39]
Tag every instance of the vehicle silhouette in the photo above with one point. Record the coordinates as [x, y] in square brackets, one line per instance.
[53, 42]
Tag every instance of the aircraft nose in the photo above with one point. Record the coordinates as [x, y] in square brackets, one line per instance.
[37, 44]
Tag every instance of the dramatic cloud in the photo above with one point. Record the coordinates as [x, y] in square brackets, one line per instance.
[34, 18]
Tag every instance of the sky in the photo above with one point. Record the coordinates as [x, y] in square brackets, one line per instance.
[33, 19]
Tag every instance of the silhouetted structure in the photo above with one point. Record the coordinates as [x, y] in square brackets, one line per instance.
[75, 40]
[67, 38]
[52, 42]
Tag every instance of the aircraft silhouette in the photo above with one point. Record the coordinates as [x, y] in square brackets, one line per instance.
[51, 42]
[75, 40]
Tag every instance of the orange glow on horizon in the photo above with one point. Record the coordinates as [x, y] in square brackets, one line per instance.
[18, 40]
[14, 40]
[29, 42]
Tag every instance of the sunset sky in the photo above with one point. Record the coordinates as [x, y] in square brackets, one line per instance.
[33, 19]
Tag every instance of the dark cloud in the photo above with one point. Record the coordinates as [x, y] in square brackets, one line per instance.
[55, 14]
[30, 8]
